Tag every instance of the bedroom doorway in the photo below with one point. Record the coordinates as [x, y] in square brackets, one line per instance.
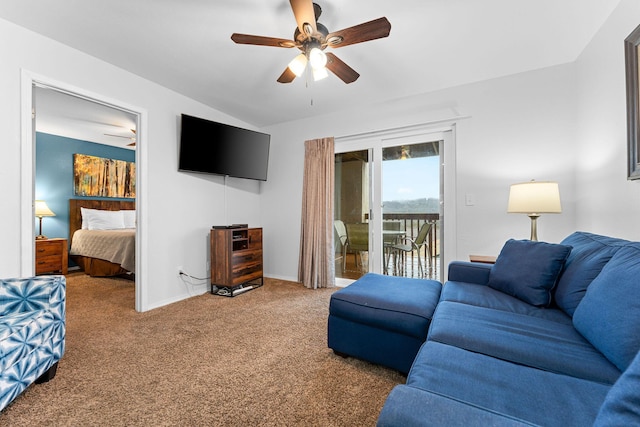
[77, 127]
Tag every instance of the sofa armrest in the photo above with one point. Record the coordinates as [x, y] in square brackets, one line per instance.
[470, 272]
[33, 293]
[412, 407]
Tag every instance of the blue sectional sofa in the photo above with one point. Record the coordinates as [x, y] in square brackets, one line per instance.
[549, 335]
[32, 332]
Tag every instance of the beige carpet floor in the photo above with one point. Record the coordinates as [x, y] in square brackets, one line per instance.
[258, 359]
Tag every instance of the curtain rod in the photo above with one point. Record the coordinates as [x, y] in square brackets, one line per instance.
[419, 126]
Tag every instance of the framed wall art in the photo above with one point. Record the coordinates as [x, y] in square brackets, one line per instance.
[631, 48]
[101, 177]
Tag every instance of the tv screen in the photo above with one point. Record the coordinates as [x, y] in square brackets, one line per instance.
[217, 148]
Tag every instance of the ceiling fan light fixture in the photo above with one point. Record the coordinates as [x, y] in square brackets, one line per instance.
[298, 64]
[317, 58]
[311, 37]
[319, 74]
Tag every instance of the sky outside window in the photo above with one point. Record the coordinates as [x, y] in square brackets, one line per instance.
[411, 179]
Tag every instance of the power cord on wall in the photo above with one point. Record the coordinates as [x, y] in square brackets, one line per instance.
[188, 279]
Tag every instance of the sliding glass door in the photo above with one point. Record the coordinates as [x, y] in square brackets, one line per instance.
[388, 207]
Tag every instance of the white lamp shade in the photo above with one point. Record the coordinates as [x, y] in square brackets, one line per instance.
[42, 209]
[298, 64]
[320, 73]
[534, 198]
[317, 58]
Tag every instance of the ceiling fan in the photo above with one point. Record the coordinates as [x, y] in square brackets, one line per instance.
[132, 138]
[312, 38]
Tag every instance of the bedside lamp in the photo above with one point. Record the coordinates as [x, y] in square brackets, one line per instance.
[534, 198]
[42, 210]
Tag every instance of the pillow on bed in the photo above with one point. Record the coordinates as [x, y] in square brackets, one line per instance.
[129, 218]
[95, 219]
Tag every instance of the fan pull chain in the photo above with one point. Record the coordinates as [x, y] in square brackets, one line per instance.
[306, 82]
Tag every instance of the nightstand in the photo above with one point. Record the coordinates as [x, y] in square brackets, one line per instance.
[52, 256]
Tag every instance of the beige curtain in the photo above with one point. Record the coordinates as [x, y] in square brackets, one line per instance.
[316, 265]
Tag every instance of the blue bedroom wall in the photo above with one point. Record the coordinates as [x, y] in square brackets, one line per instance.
[54, 176]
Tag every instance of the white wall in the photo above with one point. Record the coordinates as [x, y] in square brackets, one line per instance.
[606, 202]
[521, 127]
[179, 208]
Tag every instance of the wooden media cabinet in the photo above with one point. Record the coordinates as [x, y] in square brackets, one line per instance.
[236, 260]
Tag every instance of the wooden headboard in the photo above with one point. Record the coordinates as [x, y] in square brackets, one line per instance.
[75, 216]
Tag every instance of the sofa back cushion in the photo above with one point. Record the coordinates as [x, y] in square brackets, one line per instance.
[609, 314]
[621, 407]
[528, 270]
[589, 255]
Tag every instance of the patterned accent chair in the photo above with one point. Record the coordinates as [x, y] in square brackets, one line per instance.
[32, 332]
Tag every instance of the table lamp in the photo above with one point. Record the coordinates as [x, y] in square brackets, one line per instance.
[534, 198]
[42, 210]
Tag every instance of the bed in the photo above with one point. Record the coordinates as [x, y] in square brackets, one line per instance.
[101, 253]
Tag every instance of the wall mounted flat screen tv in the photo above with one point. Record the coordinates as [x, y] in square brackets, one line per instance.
[217, 148]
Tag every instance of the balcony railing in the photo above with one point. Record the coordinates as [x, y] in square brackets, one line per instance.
[410, 223]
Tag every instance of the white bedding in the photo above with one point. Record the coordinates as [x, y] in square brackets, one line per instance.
[116, 246]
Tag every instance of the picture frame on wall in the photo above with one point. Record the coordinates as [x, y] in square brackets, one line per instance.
[631, 50]
[100, 177]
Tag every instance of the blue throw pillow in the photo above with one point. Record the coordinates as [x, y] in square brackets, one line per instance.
[621, 407]
[528, 270]
[609, 314]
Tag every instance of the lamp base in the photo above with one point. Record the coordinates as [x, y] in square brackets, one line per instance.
[41, 236]
[534, 227]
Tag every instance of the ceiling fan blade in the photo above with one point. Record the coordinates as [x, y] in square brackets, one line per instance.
[305, 15]
[340, 69]
[261, 40]
[376, 29]
[287, 76]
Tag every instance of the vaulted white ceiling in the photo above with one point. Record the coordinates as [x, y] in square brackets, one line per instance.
[58, 113]
[185, 45]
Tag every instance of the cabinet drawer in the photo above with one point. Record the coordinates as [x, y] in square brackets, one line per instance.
[48, 263]
[45, 249]
[245, 257]
[246, 272]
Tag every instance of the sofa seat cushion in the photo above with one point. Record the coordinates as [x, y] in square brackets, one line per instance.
[609, 314]
[528, 270]
[485, 296]
[529, 341]
[413, 407]
[22, 332]
[525, 393]
[589, 255]
[396, 304]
